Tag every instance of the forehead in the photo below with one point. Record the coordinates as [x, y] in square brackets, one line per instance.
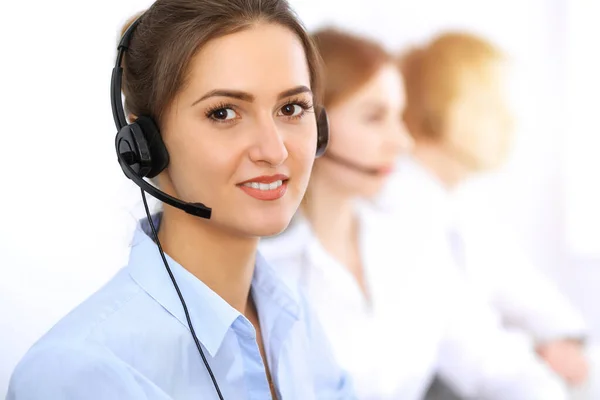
[385, 87]
[262, 60]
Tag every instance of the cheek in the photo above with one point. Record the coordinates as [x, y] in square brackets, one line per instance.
[302, 154]
[198, 166]
[348, 138]
[468, 132]
[492, 137]
[301, 149]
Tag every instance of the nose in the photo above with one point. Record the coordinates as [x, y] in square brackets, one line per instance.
[269, 146]
[398, 139]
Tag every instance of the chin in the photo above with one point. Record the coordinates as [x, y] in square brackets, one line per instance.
[490, 160]
[266, 222]
[271, 226]
[370, 190]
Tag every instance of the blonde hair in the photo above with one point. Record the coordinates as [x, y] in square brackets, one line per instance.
[436, 74]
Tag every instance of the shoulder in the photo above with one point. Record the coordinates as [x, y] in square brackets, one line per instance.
[90, 335]
[118, 296]
[81, 357]
[411, 182]
[404, 235]
[60, 370]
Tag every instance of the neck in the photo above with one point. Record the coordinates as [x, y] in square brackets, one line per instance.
[331, 215]
[447, 168]
[223, 261]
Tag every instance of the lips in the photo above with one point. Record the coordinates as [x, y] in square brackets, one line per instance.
[266, 179]
[267, 188]
[386, 170]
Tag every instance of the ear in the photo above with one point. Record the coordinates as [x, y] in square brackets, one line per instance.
[131, 118]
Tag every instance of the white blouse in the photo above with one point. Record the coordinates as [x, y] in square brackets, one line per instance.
[421, 317]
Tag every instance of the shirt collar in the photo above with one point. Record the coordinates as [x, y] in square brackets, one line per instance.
[414, 186]
[211, 315]
[269, 291]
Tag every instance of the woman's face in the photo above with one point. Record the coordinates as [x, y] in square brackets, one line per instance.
[367, 131]
[241, 134]
[479, 127]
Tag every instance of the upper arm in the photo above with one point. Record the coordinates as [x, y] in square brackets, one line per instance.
[72, 373]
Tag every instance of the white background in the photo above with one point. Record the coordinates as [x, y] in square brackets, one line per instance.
[68, 211]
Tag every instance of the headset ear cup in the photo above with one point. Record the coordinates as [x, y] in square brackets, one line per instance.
[322, 131]
[133, 150]
[156, 146]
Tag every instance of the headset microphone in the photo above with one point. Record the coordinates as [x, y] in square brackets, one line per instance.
[351, 164]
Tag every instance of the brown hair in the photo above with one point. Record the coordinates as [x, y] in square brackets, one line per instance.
[435, 75]
[349, 62]
[171, 32]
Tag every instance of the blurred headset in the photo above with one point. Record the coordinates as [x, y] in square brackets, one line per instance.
[142, 153]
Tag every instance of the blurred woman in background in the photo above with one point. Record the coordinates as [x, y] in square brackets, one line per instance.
[394, 311]
[457, 112]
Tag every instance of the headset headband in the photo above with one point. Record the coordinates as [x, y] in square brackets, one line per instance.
[115, 82]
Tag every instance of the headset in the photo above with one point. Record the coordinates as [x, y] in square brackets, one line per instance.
[141, 153]
[350, 164]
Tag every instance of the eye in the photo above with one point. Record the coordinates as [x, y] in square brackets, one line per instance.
[375, 117]
[223, 114]
[291, 110]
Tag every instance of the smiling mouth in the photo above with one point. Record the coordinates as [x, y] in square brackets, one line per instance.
[265, 191]
[265, 186]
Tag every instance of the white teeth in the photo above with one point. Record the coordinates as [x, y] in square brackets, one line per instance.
[264, 186]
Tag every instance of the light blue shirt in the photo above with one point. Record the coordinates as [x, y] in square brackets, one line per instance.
[130, 340]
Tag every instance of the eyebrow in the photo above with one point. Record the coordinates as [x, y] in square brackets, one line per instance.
[245, 96]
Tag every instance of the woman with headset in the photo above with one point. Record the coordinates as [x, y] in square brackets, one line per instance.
[395, 312]
[460, 119]
[221, 97]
